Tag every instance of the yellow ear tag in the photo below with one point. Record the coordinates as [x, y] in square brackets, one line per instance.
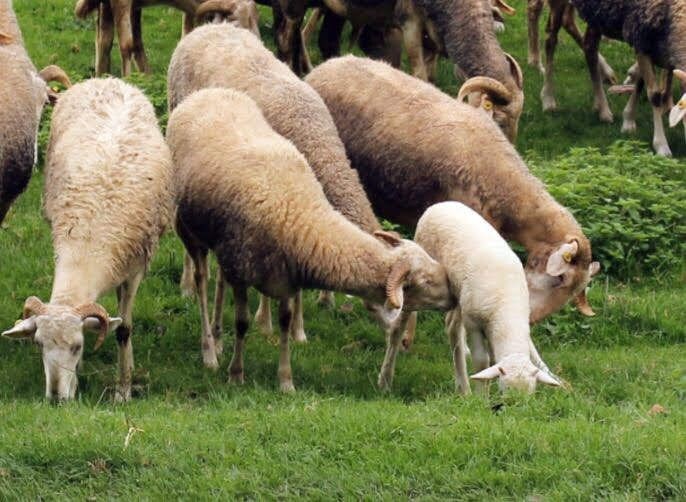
[55, 88]
[487, 105]
[567, 257]
[682, 104]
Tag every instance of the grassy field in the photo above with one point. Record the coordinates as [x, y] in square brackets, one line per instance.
[189, 434]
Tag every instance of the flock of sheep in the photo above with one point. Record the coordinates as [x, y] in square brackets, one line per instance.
[283, 179]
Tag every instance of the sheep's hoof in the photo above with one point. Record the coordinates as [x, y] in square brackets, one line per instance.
[264, 325]
[210, 362]
[606, 116]
[663, 150]
[549, 104]
[384, 383]
[236, 377]
[299, 336]
[218, 346]
[287, 387]
[326, 299]
[122, 394]
[629, 127]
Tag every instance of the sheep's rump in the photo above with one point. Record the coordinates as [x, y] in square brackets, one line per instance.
[108, 175]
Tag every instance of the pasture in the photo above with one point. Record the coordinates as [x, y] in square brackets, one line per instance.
[617, 431]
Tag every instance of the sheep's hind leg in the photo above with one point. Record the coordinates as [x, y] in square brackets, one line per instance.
[591, 44]
[218, 315]
[298, 323]
[657, 99]
[533, 12]
[553, 29]
[242, 316]
[126, 293]
[138, 48]
[456, 334]
[394, 336]
[263, 316]
[326, 299]
[285, 319]
[104, 38]
[200, 266]
[187, 283]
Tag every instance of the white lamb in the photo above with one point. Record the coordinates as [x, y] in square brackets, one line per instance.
[488, 280]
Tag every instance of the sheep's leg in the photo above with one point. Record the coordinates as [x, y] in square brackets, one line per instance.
[480, 356]
[412, 37]
[456, 334]
[242, 316]
[591, 44]
[410, 332]
[218, 314]
[104, 37]
[298, 323]
[138, 49]
[629, 113]
[326, 299]
[126, 293]
[329, 39]
[289, 39]
[656, 98]
[285, 319]
[201, 273]
[263, 316]
[553, 29]
[311, 24]
[188, 23]
[394, 334]
[122, 20]
[187, 283]
[533, 12]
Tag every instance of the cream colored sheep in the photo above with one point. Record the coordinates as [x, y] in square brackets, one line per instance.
[225, 56]
[108, 199]
[23, 92]
[249, 196]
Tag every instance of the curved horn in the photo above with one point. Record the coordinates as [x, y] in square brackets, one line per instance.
[394, 282]
[507, 9]
[5, 39]
[212, 6]
[515, 70]
[54, 72]
[681, 75]
[582, 305]
[485, 84]
[98, 311]
[33, 306]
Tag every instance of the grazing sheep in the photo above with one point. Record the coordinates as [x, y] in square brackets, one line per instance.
[248, 195]
[108, 199]
[656, 30]
[414, 146]
[23, 92]
[488, 281]
[463, 30]
[226, 56]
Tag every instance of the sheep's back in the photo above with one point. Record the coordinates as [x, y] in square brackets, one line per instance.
[108, 175]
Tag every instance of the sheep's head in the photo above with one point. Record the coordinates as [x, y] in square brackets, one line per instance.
[678, 111]
[47, 94]
[59, 331]
[241, 13]
[416, 281]
[503, 103]
[517, 372]
[555, 274]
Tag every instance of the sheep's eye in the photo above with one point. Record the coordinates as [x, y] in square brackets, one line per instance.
[75, 348]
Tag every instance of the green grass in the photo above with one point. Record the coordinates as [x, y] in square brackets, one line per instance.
[196, 436]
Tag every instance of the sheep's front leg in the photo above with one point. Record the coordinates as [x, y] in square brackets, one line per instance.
[548, 90]
[138, 48]
[126, 293]
[122, 20]
[104, 38]
[263, 316]
[480, 356]
[298, 322]
[410, 332]
[285, 319]
[218, 315]
[533, 13]
[394, 334]
[591, 45]
[412, 37]
[456, 335]
[326, 299]
[242, 315]
[657, 100]
[187, 283]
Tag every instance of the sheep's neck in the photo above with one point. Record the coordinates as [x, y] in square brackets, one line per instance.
[8, 22]
[508, 333]
[75, 282]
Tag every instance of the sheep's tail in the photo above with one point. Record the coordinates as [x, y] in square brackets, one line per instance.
[85, 7]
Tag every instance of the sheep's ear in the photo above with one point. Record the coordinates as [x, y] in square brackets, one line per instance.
[391, 238]
[23, 329]
[489, 373]
[593, 268]
[93, 323]
[678, 111]
[5, 39]
[560, 260]
[545, 378]
[254, 23]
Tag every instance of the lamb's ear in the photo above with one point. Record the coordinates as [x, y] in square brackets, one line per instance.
[545, 378]
[23, 329]
[560, 260]
[391, 238]
[594, 268]
[489, 373]
[678, 111]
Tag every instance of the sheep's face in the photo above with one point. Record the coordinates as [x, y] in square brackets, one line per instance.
[59, 332]
[516, 372]
[426, 285]
[558, 274]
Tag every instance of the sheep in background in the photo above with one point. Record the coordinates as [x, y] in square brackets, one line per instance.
[226, 56]
[488, 281]
[107, 197]
[23, 93]
[241, 13]
[414, 146]
[248, 195]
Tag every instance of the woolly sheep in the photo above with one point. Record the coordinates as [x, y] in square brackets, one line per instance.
[23, 92]
[414, 146]
[226, 56]
[488, 281]
[107, 197]
[248, 195]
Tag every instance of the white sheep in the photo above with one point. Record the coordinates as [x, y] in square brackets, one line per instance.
[248, 195]
[108, 199]
[488, 281]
